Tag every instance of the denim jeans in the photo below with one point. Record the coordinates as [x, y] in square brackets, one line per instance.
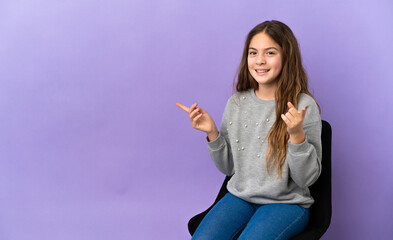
[234, 218]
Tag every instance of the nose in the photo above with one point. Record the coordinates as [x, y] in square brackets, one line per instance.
[260, 59]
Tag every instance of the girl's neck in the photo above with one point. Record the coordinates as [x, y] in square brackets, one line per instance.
[266, 92]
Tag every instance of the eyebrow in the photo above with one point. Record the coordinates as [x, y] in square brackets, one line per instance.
[264, 49]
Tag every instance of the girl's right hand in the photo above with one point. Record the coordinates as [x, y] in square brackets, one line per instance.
[201, 120]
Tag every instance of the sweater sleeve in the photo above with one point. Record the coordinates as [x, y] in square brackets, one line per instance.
[220, 149]
[304, 160]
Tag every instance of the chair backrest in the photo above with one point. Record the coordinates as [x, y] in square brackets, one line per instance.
[321, 190]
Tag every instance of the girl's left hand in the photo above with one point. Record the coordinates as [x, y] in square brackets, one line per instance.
[294, 121]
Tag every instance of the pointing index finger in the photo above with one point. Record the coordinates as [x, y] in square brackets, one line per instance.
[186, 109]
[290, 105]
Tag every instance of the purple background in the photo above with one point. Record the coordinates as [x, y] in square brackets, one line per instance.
[92, 145]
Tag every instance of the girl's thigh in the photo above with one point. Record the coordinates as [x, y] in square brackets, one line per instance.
[276, 221]
[225, 220]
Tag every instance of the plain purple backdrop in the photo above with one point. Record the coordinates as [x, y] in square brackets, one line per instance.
[92, 145]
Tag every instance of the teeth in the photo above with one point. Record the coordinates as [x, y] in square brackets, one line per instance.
[261, 71]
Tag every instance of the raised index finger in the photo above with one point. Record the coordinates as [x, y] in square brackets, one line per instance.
[290, 105]
[186, 109]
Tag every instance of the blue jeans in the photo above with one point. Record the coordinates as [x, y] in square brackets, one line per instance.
[233, 217]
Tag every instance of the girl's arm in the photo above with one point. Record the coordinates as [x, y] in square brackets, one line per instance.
[220, 149]
[305, 150]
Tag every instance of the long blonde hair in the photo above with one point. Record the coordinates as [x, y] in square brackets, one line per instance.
[290, 83]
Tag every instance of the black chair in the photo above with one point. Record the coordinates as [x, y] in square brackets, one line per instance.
[321, 190]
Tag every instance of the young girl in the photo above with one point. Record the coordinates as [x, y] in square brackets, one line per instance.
[269, 142]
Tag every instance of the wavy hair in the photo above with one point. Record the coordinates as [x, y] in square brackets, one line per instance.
[290, 83]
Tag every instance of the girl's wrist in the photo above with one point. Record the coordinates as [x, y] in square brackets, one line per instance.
[297, 138]
[212, 135]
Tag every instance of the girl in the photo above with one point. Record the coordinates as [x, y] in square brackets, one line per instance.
[271, 149]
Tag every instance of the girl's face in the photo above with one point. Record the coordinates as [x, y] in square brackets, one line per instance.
[264, 60]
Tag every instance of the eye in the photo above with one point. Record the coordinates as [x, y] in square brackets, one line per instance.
[270, 53]
[252, 53]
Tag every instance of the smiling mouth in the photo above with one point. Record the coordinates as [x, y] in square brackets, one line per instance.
[262, 71]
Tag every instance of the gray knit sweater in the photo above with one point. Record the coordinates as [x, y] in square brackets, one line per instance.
[241, 147]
